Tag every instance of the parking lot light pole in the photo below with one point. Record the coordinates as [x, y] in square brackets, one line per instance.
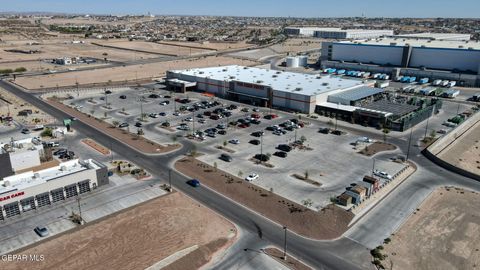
[170, 179]
[285, 243]
[409, 142]
[373, 167]
[261, 146]
[426, 128]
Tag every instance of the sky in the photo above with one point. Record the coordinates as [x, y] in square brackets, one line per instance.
[270, 8]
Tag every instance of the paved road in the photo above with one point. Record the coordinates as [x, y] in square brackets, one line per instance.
[340, 254]
[344, 253]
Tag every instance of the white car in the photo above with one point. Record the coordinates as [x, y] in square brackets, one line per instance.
[382, 174]
[234, 141]
[442, 131]
[188, 119]
[365, 140]
[251, 177]
[176, 113]
[153, 115]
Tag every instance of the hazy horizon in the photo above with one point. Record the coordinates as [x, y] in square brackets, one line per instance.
[259, 8]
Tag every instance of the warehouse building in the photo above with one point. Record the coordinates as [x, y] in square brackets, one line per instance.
[261, 87]
[19, 155]
[423, 58]
[34, 190]
[336, 33]
[435, 36]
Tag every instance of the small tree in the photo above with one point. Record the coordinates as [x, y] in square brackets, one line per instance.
[174, 138]
[115, 123]
[240, 174]
[215, 165]
[193, 152]
[105, 114]
[303, 139]
[92, 112]
[225, 143]
[433, 133]
[123, 109]
[306, 174]
[307, 203]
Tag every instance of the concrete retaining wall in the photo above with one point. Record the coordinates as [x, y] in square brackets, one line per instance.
[442, 145]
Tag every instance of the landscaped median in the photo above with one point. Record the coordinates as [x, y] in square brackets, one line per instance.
[137, 142]
[328, 223]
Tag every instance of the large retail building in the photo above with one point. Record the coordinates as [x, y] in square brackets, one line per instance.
[261, 87]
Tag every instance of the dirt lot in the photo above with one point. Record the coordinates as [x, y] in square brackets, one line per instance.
[137, 238]
[329, 223]
[141, 144]
[466, 154]
[212, 45]
[122, 74]
[13, 104]
[51, 50]
[297, 45]
[153, 47]
[444, 233]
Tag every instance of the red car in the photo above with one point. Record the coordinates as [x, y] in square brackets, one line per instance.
[243, 125]
[256, 116]
[270, 116]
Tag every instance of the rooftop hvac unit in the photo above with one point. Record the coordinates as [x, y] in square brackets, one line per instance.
[201, 72]
[63, 168]
[245, 67]
[274, 76]
[232, 77]
[325, 84]
[224, 70]
[259, 81]
[461, 46]
[298, 89]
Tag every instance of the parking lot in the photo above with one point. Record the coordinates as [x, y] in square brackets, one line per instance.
[330, 161]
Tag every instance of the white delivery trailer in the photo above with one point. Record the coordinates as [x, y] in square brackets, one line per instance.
[444, 83]
[451, 84]
[436, 82]
[382, 84]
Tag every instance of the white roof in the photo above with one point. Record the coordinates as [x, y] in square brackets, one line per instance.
[447, 44]
[278, 80]
[341, 107]
[28, 144]
[438, 36]
[29, 179]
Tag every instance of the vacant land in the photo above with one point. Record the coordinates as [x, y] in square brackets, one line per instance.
[444, 233]
[51, 50]
[137, 238]
[153, 47]
[297, 45]
[328, 223]
[12, 105]
[123, 74]
[220, 46]
[465, 153]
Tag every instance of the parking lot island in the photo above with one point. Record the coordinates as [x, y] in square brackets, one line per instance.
[137, 142]
[328, 223]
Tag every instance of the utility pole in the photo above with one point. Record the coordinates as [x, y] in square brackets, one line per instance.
[409, 142]
[79, 209]
[458, 108]
[285, 243]
[170, 179]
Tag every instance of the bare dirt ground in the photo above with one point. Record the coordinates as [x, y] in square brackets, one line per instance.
[124, 74]
[51, 50]
[466, 152]
[297, 45]
[444, 233]
[153, 47]
[377, 147]
[141, 144]
[328, 223]
[43, 66]
[136, 238]
[220, 46]
[11, 104]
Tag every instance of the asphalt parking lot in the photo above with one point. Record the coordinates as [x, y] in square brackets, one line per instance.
[332, 162]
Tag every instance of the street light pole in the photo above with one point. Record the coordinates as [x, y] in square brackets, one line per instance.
[373, 167]
[409, 142]
[170, 179]
[285, 243]
[79, 209]
[426, 128]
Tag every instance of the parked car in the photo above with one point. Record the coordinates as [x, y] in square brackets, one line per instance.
[41, 231]
[280, 154]
[153, 96]
[123, 125]
[123, 97]
[193, 183]
[51, 144]
[153, 115]
[254, 142]
[226, 157]
[252, 177]
[222, 132]
[162, 113]
[166, 124]
[284, 147]
[60, 151]
[108, 92]
[324, 130]
[188, 119]
[382, 174]
[25, 131]
[234, 141]
[138, 124]
[257, 134]
[165, 102]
